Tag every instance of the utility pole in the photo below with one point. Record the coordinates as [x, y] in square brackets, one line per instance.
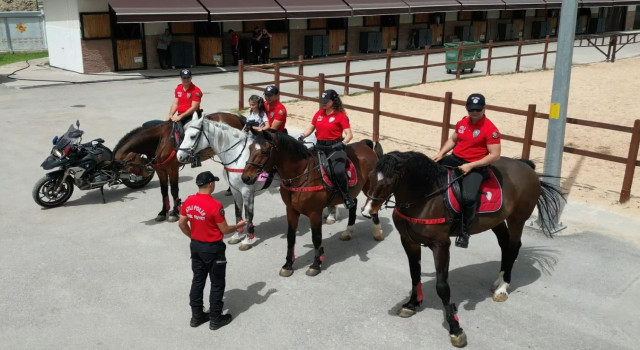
[560, 96]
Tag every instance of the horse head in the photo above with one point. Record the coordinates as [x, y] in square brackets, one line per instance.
[137, 164]
[260, 156]
[383, 181]
[194, 140]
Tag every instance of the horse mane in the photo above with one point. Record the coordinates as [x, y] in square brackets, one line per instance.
[296, 149]
[228, 128]
[126, 137]
[417, 170]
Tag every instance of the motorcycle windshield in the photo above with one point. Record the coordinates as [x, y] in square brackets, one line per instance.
[72, 136]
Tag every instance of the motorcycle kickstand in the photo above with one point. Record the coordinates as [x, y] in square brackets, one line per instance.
[104, 201]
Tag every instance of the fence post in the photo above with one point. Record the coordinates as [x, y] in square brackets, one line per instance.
[519, 52]
[241, 84]
[459, 65]
[546, 51]
[387, 73]
[376, 111]
[6, 30]
[489, 52]
[625, 192]
[300, 73]
[528, 132]
[276, 75]
[320, 88]
[446, 117]
[426, 63]
[614, 40]
[347, 69]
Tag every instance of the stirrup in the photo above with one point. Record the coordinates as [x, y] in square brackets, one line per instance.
[462, 240]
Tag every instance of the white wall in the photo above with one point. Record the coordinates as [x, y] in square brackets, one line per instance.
[92, 6]
[63, 34]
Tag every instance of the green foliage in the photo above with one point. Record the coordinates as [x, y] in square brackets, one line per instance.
[6, 58]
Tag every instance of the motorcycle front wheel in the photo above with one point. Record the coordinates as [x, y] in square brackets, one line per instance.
[138, 184]
[48, 192]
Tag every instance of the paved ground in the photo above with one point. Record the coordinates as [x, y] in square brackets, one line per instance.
[94, 275]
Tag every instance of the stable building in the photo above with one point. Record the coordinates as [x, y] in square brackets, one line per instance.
[90, 36]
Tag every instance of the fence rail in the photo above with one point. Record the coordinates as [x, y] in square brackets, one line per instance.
[527, 141]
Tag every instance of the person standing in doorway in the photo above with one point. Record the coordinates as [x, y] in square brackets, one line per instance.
[202, 220]
[164, 44]
[255, 44]
[235, 40]
[265, 45]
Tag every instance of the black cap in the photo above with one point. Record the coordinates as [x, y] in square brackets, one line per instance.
[205, 177]
[271, 90]
[328, 95]
[475, 101]
[185, 73]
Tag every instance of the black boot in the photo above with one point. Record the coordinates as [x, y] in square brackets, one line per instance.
[198, 317]
[468, 214]
[219, 322]
[348, 202]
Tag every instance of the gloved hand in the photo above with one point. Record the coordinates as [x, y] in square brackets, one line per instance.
[301, 138]
[338, 146]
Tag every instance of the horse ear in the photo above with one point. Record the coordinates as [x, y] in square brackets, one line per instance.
[267, 135]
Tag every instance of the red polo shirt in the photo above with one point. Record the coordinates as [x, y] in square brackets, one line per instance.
[185, 98]
[204, 214]
[330, 127]
[474, 138]
[278, 112]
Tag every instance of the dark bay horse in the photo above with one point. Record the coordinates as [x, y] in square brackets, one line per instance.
[422, 218]
[154, 145]
[302, 189]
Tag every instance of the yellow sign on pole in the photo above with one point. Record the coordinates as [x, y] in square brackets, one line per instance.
[554, 113]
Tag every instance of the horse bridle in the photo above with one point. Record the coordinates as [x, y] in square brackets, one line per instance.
[263, 165]
[192, 153]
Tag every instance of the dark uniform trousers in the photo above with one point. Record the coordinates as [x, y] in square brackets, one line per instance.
[337, 161]
[470, 182]
[208, 258]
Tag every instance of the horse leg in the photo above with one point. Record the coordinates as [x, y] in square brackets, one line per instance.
[414, 253]
[510, 243]
[174, 215]
[377, 229]
[247, 242]
[315, 220]
[237, 202]
[332, 214]
[441, 259]
[164, 190]
[346, 235]
[292, 222]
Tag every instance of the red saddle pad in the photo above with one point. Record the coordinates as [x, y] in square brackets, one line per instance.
[490, 199]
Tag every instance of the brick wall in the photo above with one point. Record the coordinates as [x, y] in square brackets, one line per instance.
[97, 56]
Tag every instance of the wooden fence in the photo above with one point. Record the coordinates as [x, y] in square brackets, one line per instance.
[447, 100]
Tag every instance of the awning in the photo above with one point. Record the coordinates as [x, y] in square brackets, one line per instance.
[421, 6]
[482, 5]
[377, 7]
[553, 4]
[524, 4]
[317, 9]
[626, 2]
[138, 11]
[596, 3]
[243, 10]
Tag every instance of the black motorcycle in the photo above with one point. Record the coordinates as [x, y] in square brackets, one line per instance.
[86, 165]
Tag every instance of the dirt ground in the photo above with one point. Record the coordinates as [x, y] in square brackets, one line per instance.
[601, 92]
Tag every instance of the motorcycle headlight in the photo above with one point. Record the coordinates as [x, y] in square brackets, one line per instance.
[56, 152]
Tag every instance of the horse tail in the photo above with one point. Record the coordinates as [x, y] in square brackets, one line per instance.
[549, 207]
[529, 163]
[377, 147]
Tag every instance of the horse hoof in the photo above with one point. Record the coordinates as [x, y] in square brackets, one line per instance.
[378, 236]
[406, 313]
[286, 273]
[244, 247]
[330, 221]
[161, 218]
[345, 237]
[172, 219]
[500, 297]
[235, 239]
[459, 341]
[313, 272]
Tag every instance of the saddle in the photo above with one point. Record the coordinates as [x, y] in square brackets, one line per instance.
[491, 193]
[327, 175]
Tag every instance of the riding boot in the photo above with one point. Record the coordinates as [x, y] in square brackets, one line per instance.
[344, 191]
[468, 214]
[198, 316]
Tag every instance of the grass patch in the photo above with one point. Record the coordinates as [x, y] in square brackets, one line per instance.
[7, 58]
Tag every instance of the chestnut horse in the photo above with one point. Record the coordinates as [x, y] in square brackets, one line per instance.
[422, 218]
[154, 145]
[302, 188]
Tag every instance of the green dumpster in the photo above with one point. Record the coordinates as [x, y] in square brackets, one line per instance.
[451, 56]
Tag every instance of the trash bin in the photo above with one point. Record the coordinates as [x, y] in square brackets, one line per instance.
[451, 56]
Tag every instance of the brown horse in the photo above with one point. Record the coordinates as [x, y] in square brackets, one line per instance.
[154, 145]
[302, 188]
[422, 218]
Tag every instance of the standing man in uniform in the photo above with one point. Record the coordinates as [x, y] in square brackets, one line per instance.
[276, 112]
[235, 40]
[476, 144]
[164, 42]
[202, 219]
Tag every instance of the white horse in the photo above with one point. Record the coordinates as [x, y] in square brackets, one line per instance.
[232, 147]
